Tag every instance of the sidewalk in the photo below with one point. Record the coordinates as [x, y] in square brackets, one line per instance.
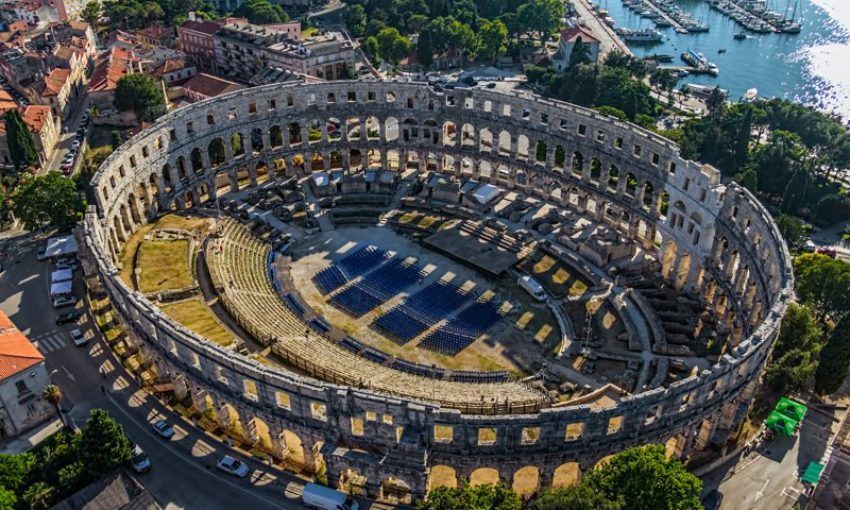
[31, 438]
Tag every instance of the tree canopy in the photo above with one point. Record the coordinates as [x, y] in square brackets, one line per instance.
[482, 497]
[104, 445]
[262, 12]
[797, 351]
[49, 199]
[834, 363]
[140, 94]
[21, 142]
[392, 46]
[822, 283]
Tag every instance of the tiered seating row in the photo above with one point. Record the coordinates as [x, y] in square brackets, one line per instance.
[463, 329]
[236, 262]
[349, 267]
[376, 287]
[422, 310]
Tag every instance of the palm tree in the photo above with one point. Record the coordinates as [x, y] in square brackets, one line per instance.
[53, 394]
[38, 496]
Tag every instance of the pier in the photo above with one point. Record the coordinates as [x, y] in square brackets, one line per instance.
[608, 39]
[669, 19]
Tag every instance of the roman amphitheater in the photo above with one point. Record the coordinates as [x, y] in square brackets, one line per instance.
[356, 250]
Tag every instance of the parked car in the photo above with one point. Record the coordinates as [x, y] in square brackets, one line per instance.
[41, 254]
[62, 302]
[232, 466]
[67, 264]
[164, 429]
[78, 337]
[140, 461]
[66, 317]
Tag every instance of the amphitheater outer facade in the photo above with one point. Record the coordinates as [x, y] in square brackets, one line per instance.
[717, 242]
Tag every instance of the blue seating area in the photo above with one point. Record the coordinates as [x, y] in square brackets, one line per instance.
[351, 344]
[421, 311]
[420, 370]
[293, 304]
[376, 287]
[349, 267]
[476, 376]
[319, 325]
[463, 329]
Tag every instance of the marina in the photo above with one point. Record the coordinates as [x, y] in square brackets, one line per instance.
[666, 13]
[759, 17]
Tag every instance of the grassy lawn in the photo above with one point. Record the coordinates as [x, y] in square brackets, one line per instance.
[195, 315]
[163, 265]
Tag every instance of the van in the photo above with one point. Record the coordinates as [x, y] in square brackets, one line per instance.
[324, 498]
[532, 287]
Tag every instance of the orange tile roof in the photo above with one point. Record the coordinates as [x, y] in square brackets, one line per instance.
[157, 32]
[208, 85]
[35, 115]
[6, 102]
[111, 69]
[17, 353]
[571, 34]
[18, 26]
[170, 65]
[54, 81]
[78, 25]
[66, 52]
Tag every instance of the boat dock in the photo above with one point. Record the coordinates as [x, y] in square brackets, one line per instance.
[690, 69]
[608, 40]
[669, 19]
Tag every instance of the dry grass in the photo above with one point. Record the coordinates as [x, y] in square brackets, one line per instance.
[195, 315]
[164, 265]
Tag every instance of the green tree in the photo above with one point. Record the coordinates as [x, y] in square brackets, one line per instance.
[53, 394]
[91, 13]
[104, 446]
[822, 283]
[482, 497]
[832, 208]
[355, 20]
[21, 142]
[796, 353]
[749, 179]
[50, 199]
[262, 12]
[38, 496]
[795, 191]
[140, 94]
[492, 40]
[643, 477]
[541, 16]
[15, 471]
[834, 363]
[117, 139]
[392, 46]
[8, 500]
[70, 477]
[575, 497]
[792, 230]
[580, 53]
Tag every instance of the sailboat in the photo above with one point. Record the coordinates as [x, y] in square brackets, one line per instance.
[792, 26]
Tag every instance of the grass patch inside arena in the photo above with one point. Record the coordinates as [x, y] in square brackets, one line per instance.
[195, 315]
[164, 265]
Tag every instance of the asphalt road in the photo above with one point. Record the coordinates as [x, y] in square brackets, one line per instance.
[63, 144]
[183, 473]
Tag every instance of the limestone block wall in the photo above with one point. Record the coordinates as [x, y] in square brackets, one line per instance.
[717, 242]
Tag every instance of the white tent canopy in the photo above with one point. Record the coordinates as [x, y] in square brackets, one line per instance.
[61, 288]
[62, 275]
[61, 245]
[486, 193]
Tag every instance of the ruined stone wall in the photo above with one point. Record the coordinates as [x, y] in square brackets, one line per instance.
[718, 242]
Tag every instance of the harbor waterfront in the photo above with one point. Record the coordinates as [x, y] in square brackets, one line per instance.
[810, 66]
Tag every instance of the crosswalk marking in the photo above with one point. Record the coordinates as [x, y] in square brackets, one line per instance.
[50, 341]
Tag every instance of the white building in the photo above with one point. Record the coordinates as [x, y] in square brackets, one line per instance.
[569, 37]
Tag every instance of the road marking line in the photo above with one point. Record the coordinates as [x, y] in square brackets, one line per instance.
[68, 373]
[760, 492]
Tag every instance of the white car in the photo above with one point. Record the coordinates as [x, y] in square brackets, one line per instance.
[78, 337]
[62, 302]
[232, 466]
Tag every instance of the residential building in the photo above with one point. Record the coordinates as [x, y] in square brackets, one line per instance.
[174, 70]
[569, 36]
[204, 86]
[64, 84]
[155, 37]
[117, 491]
[195, 39]
[242, 50]
[833, 490]
[69, 10]
[23, 377]
[113, 65]
[45, 127]
[34, 12]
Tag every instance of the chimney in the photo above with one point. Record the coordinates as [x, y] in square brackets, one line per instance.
[191, 15]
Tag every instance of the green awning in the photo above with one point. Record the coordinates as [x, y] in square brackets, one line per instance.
[812, 474]
[795, 410]
[781, 423]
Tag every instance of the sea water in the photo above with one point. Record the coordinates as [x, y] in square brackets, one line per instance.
[812, 67]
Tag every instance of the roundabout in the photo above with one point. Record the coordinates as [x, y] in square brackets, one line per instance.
[356, 250]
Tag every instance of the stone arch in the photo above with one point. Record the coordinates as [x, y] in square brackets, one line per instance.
[485, 140]
[442, 476]
[665, 203]
[352, 481]
[504, 143]
[450, 133]
[613, 177]
[595, 169]
[566, 474]
[314, 131]
[373, 128]
[393, 160]
[216, 151]
[560, 156]
[335, 157]
[262, 172]
[522, 147]
[541, 151]
[293, 448]
[410, 129]
[526, 480]
[257, 144]
[631, 184]
[578, 163]
[197, 161]
[391, 129]
[276, 137]
[333, 126]
[484, 476]
[237, 142]
[294, 133]
[648, 194]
